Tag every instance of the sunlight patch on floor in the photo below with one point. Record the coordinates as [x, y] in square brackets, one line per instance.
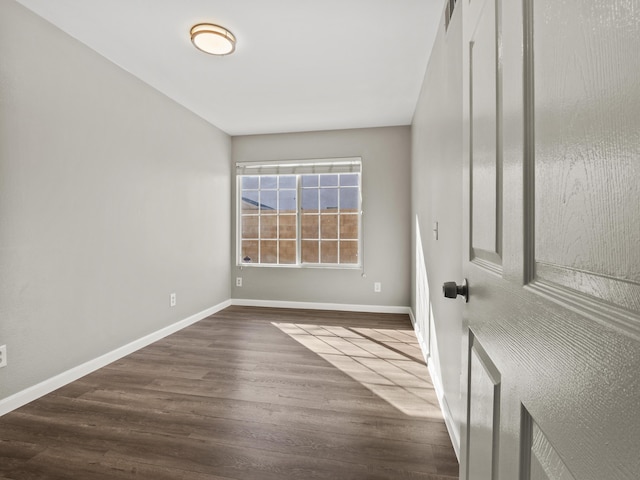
[387, 362]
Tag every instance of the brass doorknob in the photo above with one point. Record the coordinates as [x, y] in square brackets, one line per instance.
[451, 290]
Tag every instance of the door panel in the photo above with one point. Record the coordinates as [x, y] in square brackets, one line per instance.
[484, 161]
[484, 414]
[559, 317]
[587, 106]
[546, 464]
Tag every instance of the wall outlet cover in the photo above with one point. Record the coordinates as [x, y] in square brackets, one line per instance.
[3, 356]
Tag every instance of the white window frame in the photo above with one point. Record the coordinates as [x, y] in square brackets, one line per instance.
[299, 168]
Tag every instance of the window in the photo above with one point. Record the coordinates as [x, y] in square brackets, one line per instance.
[300, 213]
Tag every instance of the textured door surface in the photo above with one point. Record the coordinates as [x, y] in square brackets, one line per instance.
[552, 239]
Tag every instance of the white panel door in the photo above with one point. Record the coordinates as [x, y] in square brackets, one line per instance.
[552, 239]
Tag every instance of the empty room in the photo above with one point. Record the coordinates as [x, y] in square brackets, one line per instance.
[357, 239]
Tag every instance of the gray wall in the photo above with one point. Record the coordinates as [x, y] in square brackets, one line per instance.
[437, 197]
[111, 197]
[385, 156]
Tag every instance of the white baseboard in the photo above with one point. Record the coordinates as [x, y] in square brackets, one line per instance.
[27, 395]
[446, 411]
[345, 307]
[454, 434]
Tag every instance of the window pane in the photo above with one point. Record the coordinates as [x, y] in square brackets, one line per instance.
[288, 181]
[309, 226]
[329, 199]
[309, 180]
[287, 226]
[328, 180]
[250, 201]
[268, 201]
[287, 201]
[349, 227]
[328, 251]
[329, 226]
[349, 251]
[268, 251]
[349, 199]
[309, 251]
[310, 200]
[268, 182]
[249, 251]
[349, 179]
[249, 226]
[269, 227]
[250, 183]
[288, 252]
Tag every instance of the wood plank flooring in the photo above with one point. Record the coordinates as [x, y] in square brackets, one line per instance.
[246, 394]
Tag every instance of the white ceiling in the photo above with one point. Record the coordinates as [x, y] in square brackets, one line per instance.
[299, 65]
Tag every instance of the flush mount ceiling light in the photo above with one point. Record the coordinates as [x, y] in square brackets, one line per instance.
[213, 39]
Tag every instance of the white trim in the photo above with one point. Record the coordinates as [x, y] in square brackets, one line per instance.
[248, 302]
[423, 348]
[34, 392]
[454, 434]
[446, 411]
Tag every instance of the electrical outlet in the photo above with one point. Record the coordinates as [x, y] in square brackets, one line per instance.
[377, 287]
[238, 281]
[172, 300]
[3, 356]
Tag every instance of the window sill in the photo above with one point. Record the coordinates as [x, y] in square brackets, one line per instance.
[301, 266]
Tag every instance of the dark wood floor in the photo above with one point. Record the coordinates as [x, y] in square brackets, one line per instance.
[239, 396]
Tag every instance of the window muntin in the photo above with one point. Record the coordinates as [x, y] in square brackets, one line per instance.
[308, 219]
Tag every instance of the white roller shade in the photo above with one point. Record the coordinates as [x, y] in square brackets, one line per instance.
[295, 167]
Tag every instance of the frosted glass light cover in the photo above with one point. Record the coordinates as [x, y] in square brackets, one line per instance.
[213, 39]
